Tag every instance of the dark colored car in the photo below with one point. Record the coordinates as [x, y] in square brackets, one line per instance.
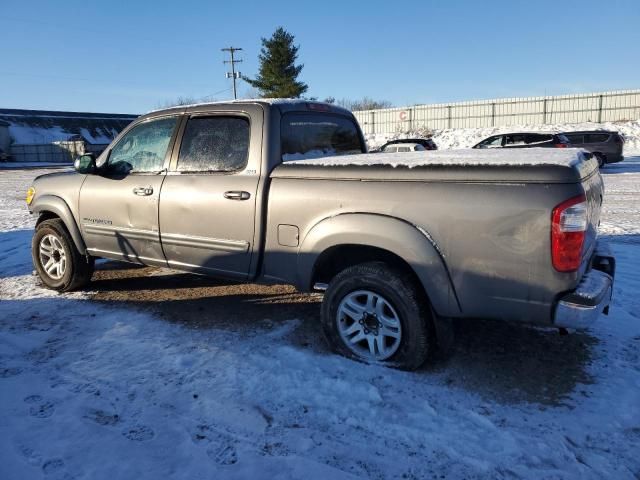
[408, 145]
[605, 145]
[525, 140]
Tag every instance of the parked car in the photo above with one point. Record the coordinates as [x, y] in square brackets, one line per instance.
[606, 145]
[397, 251]
[408, 145]
[524, 140]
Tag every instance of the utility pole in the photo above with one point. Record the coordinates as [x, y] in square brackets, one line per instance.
[233, 74]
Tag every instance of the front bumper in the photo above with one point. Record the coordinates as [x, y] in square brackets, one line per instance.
[580, 308]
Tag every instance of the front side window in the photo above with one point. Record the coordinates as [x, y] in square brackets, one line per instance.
[143, 148]
[214, 144]
[314, 135]
[492, 142]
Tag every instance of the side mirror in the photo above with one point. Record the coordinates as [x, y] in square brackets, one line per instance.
[85, 164]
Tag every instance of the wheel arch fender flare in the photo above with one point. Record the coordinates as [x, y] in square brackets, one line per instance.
[57, 206]
[409, 242]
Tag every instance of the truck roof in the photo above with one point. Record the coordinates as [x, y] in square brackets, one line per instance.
[285, 104]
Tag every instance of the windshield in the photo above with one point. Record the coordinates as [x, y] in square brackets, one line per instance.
[314, 135]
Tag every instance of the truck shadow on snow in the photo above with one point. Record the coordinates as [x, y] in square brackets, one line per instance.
[15, 259]
[497, 360]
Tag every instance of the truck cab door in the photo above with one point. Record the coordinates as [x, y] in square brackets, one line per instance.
[208, 200]
[119, 204]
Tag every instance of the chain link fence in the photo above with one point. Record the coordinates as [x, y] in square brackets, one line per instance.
[55, 152]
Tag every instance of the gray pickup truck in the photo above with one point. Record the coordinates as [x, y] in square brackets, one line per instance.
[244, 190]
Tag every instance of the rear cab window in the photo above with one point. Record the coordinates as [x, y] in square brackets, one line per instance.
[314, 135]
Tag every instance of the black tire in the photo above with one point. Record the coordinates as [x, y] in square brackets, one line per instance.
[78, 268]
[400, 291]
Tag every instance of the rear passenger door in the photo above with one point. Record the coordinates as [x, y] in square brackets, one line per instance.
[208, 199]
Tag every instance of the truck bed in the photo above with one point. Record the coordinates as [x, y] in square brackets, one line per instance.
[532, 165]
[488, 216]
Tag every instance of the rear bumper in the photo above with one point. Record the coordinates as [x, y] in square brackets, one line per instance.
[581, 307]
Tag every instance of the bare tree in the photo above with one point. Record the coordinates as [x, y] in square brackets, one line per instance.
[186, 100]
[365, 103]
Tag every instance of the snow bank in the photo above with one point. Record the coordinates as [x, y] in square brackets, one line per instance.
[448, 139]
[490, 157]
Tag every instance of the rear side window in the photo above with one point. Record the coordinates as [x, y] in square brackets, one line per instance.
[313, 135]
[214, 144]
[391, 149]
[538, 138]
[596, 137]
[515, 140]
[575, 138]
[404, 149]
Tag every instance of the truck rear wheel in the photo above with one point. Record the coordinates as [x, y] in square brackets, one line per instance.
[58, 262]
[374, 313]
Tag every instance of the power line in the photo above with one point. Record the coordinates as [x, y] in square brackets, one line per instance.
[212, 95]
[233, 74]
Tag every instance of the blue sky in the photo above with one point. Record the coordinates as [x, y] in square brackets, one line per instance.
[132, 56]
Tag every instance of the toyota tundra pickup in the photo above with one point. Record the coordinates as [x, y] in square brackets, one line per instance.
[283, 191]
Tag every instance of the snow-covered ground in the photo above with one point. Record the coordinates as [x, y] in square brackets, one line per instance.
[91, 388]
[448, 139]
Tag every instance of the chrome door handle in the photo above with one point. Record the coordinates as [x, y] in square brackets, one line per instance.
[143, 191]
[237, 195]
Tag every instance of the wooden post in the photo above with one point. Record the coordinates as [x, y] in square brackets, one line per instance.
[600, 108]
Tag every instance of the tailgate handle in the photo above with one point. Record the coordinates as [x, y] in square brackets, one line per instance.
[237, 195]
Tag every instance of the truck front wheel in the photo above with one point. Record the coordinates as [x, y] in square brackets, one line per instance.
[58, 262]
[374, 313]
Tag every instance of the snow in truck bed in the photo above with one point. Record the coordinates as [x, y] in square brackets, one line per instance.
[567, 157]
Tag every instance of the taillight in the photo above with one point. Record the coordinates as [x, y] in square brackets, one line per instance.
[561, 145]
[568, 227]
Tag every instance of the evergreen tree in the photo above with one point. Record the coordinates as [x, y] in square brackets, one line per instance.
[278, 72]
